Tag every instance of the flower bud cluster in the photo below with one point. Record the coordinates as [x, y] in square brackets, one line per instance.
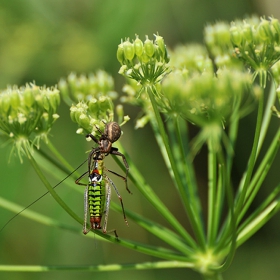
[145, 62]
[193, 58]
[82, 88]
[218, 41]
[254, 41]
[257, 41]
[28, 112]
[206, 100]
[92, 100]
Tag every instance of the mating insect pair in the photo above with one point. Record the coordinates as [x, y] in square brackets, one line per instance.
[97, 194]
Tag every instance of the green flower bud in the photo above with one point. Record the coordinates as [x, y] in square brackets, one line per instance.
[235, 35]
[275, 27]
[5, 102]
[145, 58]
[160, 42]
[105, 104]
[83, 121]
[248, 33]
[28, 97]
[264, 30]
[158, 55]
[129, 51]
[149, 47]
[138, 47]
[73, 111]
[93, 106]
[15, 99]
[54, 99]
[46, 103]
[120, 54]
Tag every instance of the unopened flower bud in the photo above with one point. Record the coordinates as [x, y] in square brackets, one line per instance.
[264, 30]
[149, 47]
[138, 47]
[129, 51]
[235, 35]
[160, 42]
[120, 53]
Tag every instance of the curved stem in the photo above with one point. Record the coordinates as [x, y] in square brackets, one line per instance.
[50, 189]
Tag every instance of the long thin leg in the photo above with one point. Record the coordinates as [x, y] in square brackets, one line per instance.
[80, 178]
[115, 152]
[107, 206]
[85, 230]
[120, 198]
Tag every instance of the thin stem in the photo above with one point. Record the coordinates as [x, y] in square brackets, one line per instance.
[251, 163]
[232, 223]
[139, 181]
[50, 189]
[260, 174]
[97, 268]
[188, 169]
[159, 231]
[212, 193]
[267, 115]
[183, 191]
[59, 156]
[185, 167]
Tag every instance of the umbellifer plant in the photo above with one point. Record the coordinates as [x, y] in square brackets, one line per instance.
[211, 87]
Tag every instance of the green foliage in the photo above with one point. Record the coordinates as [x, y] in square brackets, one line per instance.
[173, 95]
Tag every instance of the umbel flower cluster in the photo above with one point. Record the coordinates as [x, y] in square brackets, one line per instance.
[145, 62]
[28, 113]
[255, 41]
[92, 100]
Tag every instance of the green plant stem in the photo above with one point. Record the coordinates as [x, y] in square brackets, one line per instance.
[261, 218]
[58, 156]
[50, 189]
[245, 181]
[261, 174]
[182, 189]
[97, 268]
[139, 247]
[184, 167]
[159, 231]
[188, 169]
[219, 202]
[212, 194]
[138, 180]
[232, 222]
[267, 114]
[217, 276]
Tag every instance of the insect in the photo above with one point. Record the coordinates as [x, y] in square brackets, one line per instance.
[97, 195]
[110, 135]
[98, 180]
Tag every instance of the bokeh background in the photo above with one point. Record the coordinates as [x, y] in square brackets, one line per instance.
[45, 40]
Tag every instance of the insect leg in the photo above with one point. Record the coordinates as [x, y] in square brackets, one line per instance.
[80, 178]
[107, 206]
[115, 152]
[85, 230]
[120, 198]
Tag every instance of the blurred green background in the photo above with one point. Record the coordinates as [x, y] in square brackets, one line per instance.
[43, 41]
